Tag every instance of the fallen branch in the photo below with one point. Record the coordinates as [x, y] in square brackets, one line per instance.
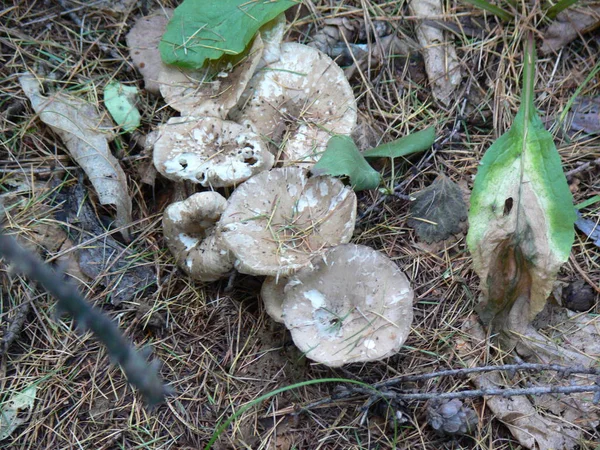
[380, 389]
[141, 374]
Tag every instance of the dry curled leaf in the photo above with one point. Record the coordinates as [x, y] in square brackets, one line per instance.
[80, 126]
[441, 62]
[569, 24]
[438, 211]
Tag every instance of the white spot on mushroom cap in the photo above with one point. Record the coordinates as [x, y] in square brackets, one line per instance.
[188, 241]
[316, 298]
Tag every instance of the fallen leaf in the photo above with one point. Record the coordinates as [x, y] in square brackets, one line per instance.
[407, 145]
[342, 158]
[120, 101]
[123, 273]
[568, 26]
[198, 32]
[16, 411]
[521, 217]
[142, 40]
[80, 126]
[585, 115]
[526, 423]
[441, 62]
[438, 210]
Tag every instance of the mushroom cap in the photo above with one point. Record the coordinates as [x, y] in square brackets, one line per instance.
[353, 305]
[298, 102]
[212, 91]
[209, 151]
[143, 40]
[271, 293]
[189, 229]
[277, 221]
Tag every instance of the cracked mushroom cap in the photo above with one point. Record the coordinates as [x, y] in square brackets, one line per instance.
[209, 151]
[212, 91]
[277, 221]
[353, 305]
[143, 40]
[298, 102]
[189, 229]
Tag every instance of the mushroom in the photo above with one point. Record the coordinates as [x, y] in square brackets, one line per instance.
[209, 151]
[277, 221]
[271, 293]
[298, 102]
[189, 229]
[212, 91]
[143, 40]
[272, 35]
[352, 305]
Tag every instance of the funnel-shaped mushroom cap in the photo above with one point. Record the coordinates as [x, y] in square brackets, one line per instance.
[353, 305]
[212, 91]
[143, 40]
[189, 229]
[277, 221]
[272, 297]
[209, 151]
[298, 102]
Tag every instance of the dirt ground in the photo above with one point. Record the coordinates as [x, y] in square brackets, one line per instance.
[219, 348]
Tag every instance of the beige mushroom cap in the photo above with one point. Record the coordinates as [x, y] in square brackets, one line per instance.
[353, 305]
[298, 102]
[212, 91]
[277, 221]
[209, 151]
[271, 293]
[143, 40]
[189, 229]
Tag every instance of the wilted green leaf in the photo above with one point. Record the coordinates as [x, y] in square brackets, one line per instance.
[413, 143]
[16, 411]
[438, 210]
[120, 101]
[208, 29]
[342, 158]
[521, 217]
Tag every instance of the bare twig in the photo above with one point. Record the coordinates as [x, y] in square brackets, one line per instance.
[140, 373]
[374, 390]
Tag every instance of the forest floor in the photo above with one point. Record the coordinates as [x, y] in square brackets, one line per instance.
[219, 347]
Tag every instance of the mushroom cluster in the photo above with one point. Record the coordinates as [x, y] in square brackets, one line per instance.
[257, 123]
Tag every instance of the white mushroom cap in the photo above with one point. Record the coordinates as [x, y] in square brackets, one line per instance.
[277, 221]
[209, 151]
[353, 305]
[271, 293]
[212, 91]
[143, 40]
[298, 102]
[189, 229]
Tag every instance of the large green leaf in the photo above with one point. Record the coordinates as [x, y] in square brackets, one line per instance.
[202, 30]
[342, 158]
[521, 217]
[413, 143]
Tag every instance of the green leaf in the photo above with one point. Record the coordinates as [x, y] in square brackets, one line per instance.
[413, 143]
[202, 30]
[120, 101]
[521, 217]
[438, 210]
[16, 411]
[342, 158]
